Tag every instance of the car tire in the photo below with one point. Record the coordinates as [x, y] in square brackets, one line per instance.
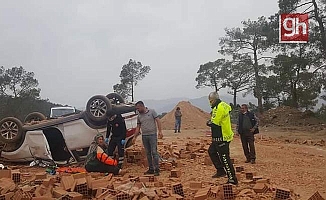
[94, 124]
[115, 98]
[11, 130]
[97, 108]
[34, 116]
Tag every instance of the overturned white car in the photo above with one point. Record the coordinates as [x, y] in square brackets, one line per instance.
[66, 137]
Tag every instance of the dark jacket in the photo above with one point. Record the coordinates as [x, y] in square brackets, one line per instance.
[253, 120]
[117, 127]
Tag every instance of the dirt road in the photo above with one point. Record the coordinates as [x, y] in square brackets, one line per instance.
[298, 167]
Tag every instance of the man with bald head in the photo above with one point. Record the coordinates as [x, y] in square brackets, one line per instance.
[222, 135]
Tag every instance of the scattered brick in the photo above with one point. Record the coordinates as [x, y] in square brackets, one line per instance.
[81, 186]
[316, 196]
[260, 188]
[73, 196]
[177, 188]
[263, 181]
[239, 168]
[5, 173]
[16, 176]
[40, 176]
[255, 178]
[7, 196]
[249, 175]
[67, 182]
[282, 193]
[202, 194]
[195, 185]
[228, 191]
[175, 173]
[59, 192]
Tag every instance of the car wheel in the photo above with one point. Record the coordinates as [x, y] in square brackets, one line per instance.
[11, 130]
[94, 124]
[34, 116]
[115, 98]
[98, 107]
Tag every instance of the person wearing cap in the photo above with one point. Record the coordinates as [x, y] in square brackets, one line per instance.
[222, 135]
[116, 129]
[177, 115]
[98, 161]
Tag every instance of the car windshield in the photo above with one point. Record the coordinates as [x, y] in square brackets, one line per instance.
[61, 112]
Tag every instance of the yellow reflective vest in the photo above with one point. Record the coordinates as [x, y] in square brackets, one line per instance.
[221, 117]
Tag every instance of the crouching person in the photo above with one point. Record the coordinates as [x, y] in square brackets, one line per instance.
[98, 161]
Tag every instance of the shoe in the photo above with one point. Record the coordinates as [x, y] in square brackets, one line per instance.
[175, 131]
[149, 172]
[219, 174]
[179, 132]
[247, 161]
[252, 161]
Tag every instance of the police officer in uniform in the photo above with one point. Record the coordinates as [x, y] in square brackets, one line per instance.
[222, 135]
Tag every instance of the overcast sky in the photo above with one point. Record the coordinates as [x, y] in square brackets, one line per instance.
[77, 48]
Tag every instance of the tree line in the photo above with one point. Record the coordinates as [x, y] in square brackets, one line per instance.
[275, 73]
[20, 95]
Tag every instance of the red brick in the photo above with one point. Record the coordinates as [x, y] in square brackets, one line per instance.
[260, 188]
[5, 173]
[74, 196]
[195, 185]
[59, 192]
[316, 196]
[39, 176]
[175, 173]
[67, 182]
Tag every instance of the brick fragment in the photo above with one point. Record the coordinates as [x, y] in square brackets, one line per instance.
[175, 173]
[195, 184]
[177, 188]
[260, 188]
[282, 193]
[316, 196]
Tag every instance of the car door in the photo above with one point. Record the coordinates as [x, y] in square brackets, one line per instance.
[38, 145]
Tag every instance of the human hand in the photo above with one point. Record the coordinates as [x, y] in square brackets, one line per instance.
[123, 142]
[252, 130]
[160, 135]
[209, 123]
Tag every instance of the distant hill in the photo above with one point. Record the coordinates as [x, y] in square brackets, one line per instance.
[167, 105]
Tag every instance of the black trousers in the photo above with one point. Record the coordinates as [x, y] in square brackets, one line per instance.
[219, 152]
[102, 168]
[116, 142]
[248, 145]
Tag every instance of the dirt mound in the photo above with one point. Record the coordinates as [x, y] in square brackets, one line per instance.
[192, 117]
[287, 116]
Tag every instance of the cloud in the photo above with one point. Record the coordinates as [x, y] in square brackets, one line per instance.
[77, 48]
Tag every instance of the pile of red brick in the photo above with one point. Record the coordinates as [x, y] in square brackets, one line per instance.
[173, 184]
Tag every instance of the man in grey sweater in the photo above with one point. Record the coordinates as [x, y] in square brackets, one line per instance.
[150, 125]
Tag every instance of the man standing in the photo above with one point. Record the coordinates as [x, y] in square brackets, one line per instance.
[148, 122]
[117, 126]
[177, 115]
[222, 135]
[247, 127]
